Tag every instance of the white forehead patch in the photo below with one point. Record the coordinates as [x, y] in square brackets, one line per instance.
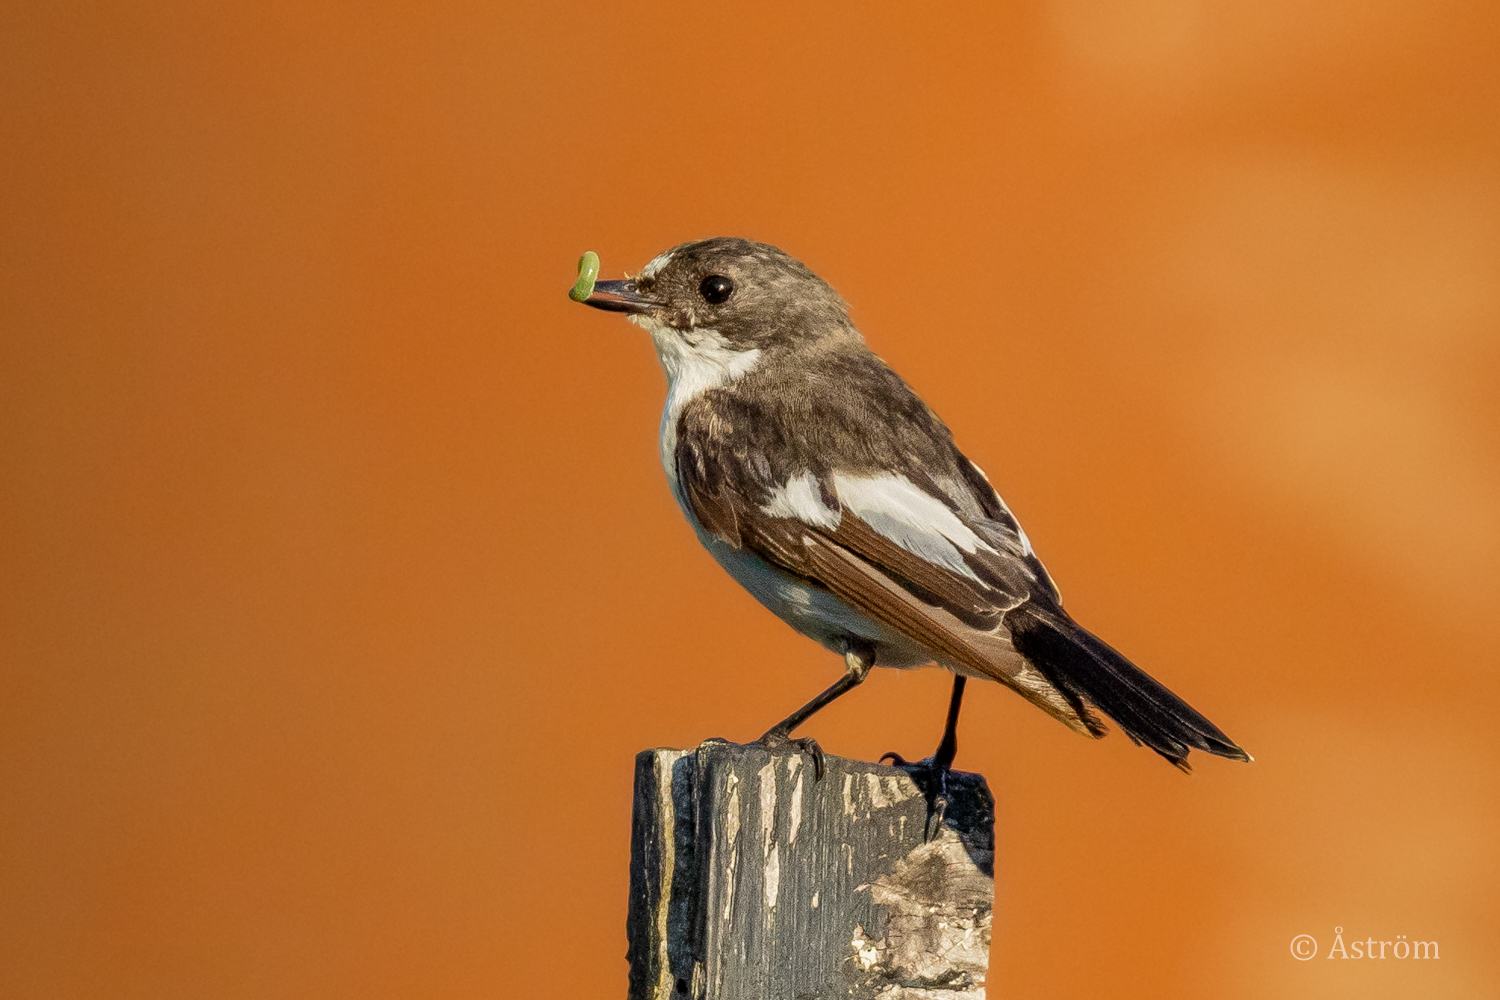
[658, 262]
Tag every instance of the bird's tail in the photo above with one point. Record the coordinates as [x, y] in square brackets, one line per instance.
[1085, 669]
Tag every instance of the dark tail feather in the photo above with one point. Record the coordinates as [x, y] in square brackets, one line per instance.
[1083, 666]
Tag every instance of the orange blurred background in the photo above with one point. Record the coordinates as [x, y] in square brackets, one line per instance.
[340, 577]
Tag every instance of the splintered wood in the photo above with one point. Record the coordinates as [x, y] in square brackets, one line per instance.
[751, 881]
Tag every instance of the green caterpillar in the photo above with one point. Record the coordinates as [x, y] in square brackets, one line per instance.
[588, 273]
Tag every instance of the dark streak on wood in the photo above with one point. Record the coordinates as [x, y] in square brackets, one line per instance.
[751, 881]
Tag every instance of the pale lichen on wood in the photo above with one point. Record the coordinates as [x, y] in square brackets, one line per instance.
[752, 881]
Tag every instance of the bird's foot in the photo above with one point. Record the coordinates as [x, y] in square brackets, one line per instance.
[932, 778]
[776, 740]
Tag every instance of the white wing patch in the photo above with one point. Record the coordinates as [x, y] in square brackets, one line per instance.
[800, 498]
[921, 524]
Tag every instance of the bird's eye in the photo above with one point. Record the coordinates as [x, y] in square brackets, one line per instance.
[715, 289]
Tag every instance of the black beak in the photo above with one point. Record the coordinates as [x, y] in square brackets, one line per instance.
[619, 296]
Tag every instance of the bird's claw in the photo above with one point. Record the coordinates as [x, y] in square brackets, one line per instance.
[937, 811]
[775, 740]
[932, 779]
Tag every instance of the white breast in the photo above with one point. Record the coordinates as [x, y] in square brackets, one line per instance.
[695, 361]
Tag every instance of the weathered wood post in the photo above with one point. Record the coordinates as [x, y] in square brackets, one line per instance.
[751, 881]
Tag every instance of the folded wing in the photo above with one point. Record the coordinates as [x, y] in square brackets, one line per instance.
[928, 548]
[886, 548]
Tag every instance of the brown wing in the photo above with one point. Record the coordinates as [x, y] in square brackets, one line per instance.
[956, 616]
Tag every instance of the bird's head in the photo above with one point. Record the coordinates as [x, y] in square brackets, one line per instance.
[737, 293]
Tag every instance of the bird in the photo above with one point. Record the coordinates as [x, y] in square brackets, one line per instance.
[823, 484]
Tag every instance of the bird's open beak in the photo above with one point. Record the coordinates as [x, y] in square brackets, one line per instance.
[619, 296]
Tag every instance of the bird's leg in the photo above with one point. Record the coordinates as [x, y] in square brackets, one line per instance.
[935, 768]
[948, 747]
[859, 657]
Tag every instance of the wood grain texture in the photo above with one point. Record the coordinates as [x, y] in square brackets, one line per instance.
[750, 880]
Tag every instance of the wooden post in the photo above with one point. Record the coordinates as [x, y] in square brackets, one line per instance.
[751, 881]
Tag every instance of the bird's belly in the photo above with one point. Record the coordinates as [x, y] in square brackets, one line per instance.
[810, 610]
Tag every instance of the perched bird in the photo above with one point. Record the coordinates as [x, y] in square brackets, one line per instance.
[820, 481]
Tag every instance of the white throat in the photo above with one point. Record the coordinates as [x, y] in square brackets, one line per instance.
[695, 361]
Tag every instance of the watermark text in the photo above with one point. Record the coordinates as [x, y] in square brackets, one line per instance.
[1305, 948]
